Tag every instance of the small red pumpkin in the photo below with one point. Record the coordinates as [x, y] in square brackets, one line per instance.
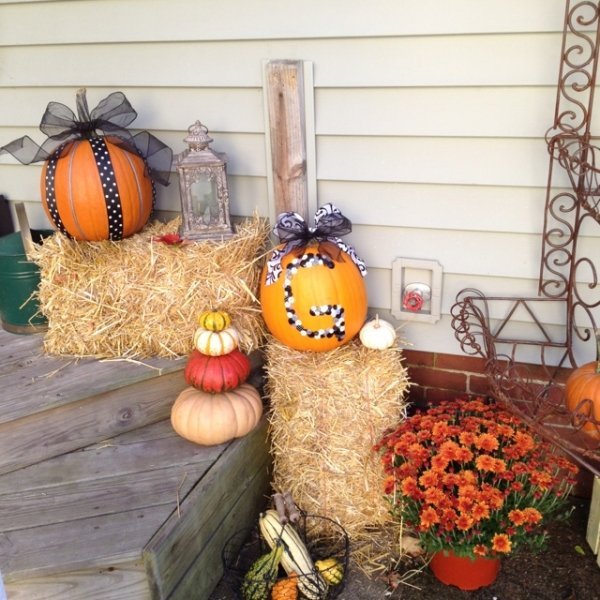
[216, 374]
[319, 301]
[582, 392]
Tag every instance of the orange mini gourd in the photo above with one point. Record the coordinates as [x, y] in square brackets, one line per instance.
[209, 419]
[582, 393]
[319, 302]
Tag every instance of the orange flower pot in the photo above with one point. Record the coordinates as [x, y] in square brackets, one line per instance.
[463, 572]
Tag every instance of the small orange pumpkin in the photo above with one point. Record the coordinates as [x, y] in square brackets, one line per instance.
[209, 419]
[582, 393]
[319, 301]
[217, 374]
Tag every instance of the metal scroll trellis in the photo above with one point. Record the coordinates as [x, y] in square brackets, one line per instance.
[485, 325]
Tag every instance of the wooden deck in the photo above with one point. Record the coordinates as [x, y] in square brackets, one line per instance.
[99, 498]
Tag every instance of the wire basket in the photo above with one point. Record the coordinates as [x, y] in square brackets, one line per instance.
[323, 537]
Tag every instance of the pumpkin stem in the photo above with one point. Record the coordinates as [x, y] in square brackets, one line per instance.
[84, 112]
[376, 321]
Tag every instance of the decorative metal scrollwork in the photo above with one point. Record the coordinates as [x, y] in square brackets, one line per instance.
[569, 279]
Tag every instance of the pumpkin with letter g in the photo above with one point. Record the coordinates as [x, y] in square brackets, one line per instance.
[312, 292]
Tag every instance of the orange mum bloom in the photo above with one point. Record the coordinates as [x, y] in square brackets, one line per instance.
[501, 543]
[439, 462]
[485, 462]
[517, 517]
[464, 522]
[449, 450]
[524, 442]
[487, 442]
[533, 515]
[389, 484]
[480, 550]
[409, 487]
[429, 517]
[467, 438]
[480, 511]
[429, 478]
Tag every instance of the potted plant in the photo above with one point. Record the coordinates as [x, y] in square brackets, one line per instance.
[475, 484]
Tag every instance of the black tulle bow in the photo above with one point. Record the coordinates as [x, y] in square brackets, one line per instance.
[294, 233]
[292, 229]
[111, 117]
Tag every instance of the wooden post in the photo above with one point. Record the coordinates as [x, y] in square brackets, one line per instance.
[285, 108]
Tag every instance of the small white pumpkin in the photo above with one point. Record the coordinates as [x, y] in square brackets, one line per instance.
[377, 334]
[216, 343]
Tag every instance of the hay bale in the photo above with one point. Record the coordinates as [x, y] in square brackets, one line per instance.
[140, 297]
[327, 411]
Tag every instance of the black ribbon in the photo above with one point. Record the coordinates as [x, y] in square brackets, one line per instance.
[294, 233]
[292, 229]
[111, 117]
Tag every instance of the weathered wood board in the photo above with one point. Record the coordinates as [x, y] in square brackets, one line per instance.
[50, 406]
[215, 509]
[148, 492]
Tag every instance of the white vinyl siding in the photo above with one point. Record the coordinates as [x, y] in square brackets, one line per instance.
[429, 115]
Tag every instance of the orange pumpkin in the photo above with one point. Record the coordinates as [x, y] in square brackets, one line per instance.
[582, 392]
[217, 374]
[319, 301]
[96, 190]
[209, 419]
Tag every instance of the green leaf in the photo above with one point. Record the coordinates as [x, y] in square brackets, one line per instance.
[580, 550]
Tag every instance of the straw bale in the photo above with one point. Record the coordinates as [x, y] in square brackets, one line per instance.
[140, 297]
[327, 411]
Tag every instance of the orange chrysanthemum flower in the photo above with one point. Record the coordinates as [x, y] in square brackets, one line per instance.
[501, 543]
[485, 462]
[409, 487]
[429, 478]
[467, 438]
[480, 511]
[449, 450]
[533, 515]
[429, 517]
[487, 442]
[480, 550]
[517, 517]
[464, 522]
[389, 485]
[439, 462]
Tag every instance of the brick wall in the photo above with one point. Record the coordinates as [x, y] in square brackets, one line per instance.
[437, 377]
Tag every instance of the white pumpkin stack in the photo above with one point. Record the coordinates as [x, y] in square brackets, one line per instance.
[218, 405]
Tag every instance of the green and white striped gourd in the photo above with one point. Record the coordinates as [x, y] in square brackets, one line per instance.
[295, 557]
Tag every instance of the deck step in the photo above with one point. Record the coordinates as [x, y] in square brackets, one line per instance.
[53, 405]
[143, 515]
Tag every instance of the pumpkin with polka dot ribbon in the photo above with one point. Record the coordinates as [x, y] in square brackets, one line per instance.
[320, 300]
[97, 189]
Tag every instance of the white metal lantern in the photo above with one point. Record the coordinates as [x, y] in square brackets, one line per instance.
[203, 188]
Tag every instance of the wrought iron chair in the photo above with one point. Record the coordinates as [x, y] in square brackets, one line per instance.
[568, 280]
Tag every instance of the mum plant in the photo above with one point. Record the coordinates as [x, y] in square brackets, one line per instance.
[470, 477]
